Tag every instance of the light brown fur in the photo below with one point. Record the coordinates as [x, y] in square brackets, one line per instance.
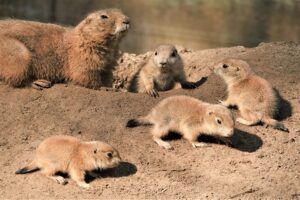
[253, 95]
[69, 154]
[189, 117]
[84, 54]
[161, 71]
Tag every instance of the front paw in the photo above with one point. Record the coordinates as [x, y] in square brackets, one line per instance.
[224, 103]
[41, 84]
[152, 92]
[84, 185]
[61, 180]
[200, 144]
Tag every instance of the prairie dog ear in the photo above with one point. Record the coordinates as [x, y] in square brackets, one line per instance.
[210, 112]
[237, 69]
[88, 20]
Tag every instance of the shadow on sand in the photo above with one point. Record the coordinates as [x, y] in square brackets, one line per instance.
[285, 109]
[241, 140]
[124, 169]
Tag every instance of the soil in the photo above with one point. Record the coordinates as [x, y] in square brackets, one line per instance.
[261, 163]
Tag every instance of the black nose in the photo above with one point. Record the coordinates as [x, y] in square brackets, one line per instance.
[163, 63]
[127, 22]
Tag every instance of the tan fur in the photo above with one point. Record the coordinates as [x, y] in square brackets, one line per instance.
[162, 70]
[254, 96]
[84, 54]
[69, 154]
[188, 116]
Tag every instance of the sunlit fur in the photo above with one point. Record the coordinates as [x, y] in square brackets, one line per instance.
[155, 76]
[69, 154]
[189, 117]
[253, 95]
[84, 54]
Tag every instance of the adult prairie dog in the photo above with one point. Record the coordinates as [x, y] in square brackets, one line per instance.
[69, 154]
[188, 116]
[162, 70]
[41, 54]
[253, 95]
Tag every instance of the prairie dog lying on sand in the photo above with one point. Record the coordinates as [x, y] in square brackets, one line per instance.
[189, 117]
[69, 154]
[41, 54]
[162, 70]
[253, 95]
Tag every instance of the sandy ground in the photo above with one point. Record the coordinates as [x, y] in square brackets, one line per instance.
[262, 163]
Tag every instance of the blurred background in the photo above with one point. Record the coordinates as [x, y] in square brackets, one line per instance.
[196, 24]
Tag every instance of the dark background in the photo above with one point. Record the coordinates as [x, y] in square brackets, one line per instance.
[196, 24]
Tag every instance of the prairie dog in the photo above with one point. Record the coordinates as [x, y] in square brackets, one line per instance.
[42, 54]
[69, 154]
[253, 95]
[189, 117]
[162, 70]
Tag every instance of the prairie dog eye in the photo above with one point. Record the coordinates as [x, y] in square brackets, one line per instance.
[174, 53]
[219, 121]
[155, 53]
[95, 151]
[225, 66]
[109, 155]
[104, 16]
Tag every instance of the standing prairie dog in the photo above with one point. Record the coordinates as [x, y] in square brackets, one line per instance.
[41, 54]
[69, 154]
[162, 70]
[253, 95]
[188, 116]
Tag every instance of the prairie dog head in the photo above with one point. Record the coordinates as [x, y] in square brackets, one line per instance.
[219, 121]
[232, 70]
[104, 155]
[104, 24]
[165, 56]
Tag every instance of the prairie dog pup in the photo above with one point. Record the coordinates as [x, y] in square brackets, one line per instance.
[40, 53]
[188, 116]
[160, 73]
[254, 96]
[69, 154]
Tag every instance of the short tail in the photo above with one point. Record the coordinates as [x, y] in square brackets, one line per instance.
[30, 168]
[138, 122]
[275, 124]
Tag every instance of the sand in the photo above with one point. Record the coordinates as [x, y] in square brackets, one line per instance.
[262, 162]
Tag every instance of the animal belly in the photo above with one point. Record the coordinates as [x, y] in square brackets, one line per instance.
[164, 84]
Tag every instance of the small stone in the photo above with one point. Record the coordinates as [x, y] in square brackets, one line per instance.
[281, 151]
[260, 156]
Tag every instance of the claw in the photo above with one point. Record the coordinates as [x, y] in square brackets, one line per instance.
[153, 93]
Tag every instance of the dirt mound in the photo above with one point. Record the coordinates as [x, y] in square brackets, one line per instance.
[262, 163]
